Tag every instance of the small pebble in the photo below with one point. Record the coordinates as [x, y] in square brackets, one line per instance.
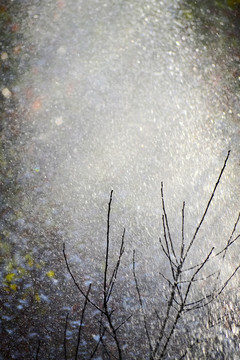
[59, 120]
[4, 56]
[61, 50]
[6, 93]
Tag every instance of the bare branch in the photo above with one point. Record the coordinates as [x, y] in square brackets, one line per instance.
[107, 289]
[77, 285]
[141, 304]
[182, 244]
[212, 296]
[215, 255]
[195, 274]
[115, 271]
[38, 349]
[197, 341]
[199, 279]
[165, 252]
[123, 322]
[233, 231]
[107, 351]
[168, 251]
[107, 248]
[81, 321]
[181, 308]
[165, 278]
[167, 315]
[97, 345]
[227, 281]
[207, 207]
[227, 246]
[165, 215]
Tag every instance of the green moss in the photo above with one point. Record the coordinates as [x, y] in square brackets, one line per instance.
[5, 248]
[187, 14]
[233, 3]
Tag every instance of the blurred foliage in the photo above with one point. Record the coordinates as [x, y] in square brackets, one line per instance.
[10, 44]
[214, 13]
[232, 3]
[215, 25]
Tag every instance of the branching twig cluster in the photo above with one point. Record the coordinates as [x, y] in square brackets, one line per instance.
[181, 295]
[108, 325]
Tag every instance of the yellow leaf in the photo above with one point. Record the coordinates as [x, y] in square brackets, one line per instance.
[13, 287]
[50, 273]
[37, 297]
[30, 263]
[9, 277]
[29, 260]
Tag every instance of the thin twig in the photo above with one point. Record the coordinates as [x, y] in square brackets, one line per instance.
[182, 244]
[81, 321]
[165, 252]
[141, 304]
[167, 247]
[107, 248]
[167, 315]
[109, 331]
[165, 215]
[38, 349]
[199, 279]
[106, 287]
[233, 231]
[77, 285]
[123, 322]
[97, 345]
[171, 285]
[178, 315]
[168, 229]
[197, 341]
[107, 351]
[227, 281]
[195, 274]
[215, 255]
[207, 207]
[175, 272]
[200, 303]
[227, 246]
[115, 271]
[165, 278]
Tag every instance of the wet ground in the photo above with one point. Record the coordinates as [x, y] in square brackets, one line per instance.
[98, 96]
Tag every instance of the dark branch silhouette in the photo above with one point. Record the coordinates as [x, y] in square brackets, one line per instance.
[181, 296]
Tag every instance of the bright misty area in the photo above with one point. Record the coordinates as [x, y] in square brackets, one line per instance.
[141, 97]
